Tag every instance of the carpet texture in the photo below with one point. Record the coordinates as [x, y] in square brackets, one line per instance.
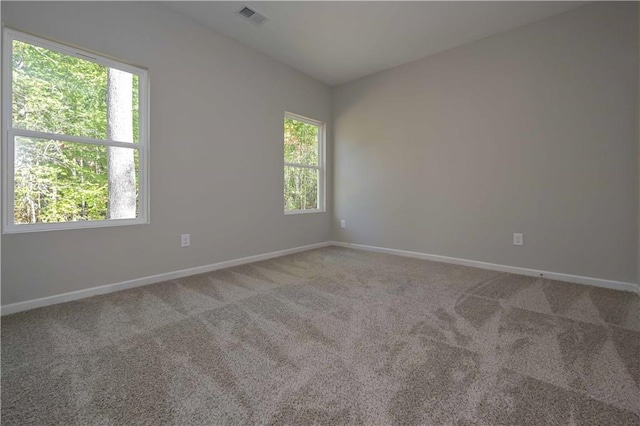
[330, 336]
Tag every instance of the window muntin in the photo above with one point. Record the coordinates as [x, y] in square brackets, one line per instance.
[303, 164]
[75, 142]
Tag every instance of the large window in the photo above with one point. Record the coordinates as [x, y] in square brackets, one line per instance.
[303, 164]
[75, 140]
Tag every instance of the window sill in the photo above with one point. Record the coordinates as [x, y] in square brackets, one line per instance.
[294, 212]
[89, 224]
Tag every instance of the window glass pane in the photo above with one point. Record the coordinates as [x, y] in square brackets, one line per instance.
[300, 142]
[58, 93]
[300, 188]
[59, 181]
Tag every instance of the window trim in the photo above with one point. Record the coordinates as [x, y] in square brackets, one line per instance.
[321, 167]
[9, 133]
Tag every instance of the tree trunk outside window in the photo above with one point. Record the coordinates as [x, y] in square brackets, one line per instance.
[121, 166]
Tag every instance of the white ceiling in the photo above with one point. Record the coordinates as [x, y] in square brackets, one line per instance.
[337, 42]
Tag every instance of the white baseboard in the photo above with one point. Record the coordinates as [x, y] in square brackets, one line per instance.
[597, 282]
[110, 288]
[138, 282]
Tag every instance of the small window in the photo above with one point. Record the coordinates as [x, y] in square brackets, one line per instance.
[303, 165]
[75, 143]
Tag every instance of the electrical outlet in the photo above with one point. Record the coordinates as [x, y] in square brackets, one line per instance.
[185, 240]
[343, 224]
[518, 239]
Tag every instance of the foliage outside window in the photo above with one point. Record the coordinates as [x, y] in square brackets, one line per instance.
[303, 164]
[75, 142]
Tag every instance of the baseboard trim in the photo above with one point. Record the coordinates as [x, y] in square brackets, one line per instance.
[597, 282]
[139, 282]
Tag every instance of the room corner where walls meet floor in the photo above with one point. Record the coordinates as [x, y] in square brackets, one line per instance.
[143, 281]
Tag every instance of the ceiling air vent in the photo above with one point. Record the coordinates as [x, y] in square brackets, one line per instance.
[252, 15]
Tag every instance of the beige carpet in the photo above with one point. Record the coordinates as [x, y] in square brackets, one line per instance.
[331, 336]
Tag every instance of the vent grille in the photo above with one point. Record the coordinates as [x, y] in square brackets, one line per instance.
[246, 12]
[252, 15]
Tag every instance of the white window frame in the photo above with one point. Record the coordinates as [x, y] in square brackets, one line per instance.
[9, 133]
[320, 167]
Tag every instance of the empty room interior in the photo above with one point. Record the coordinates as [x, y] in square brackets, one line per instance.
[377, 213]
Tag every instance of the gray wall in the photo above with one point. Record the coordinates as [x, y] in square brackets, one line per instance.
[216, 152]
[533, 131]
